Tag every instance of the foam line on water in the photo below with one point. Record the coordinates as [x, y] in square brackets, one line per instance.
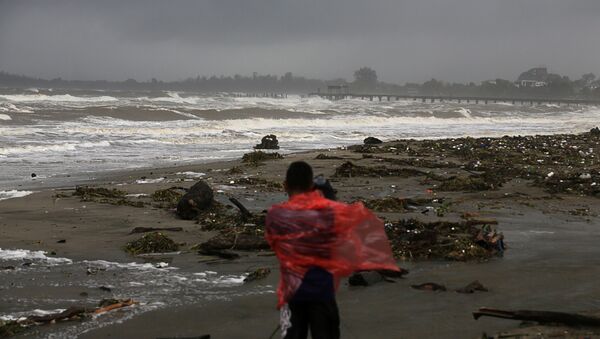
[11, 194]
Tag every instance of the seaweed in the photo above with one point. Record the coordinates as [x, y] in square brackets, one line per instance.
[154, 242]
[169, 197]
[465, 184]
[413, 239]
[259, 182]
[9, 328]
[105, 196]
[349, 169]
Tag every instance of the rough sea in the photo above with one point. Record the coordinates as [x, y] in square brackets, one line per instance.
[63, 135]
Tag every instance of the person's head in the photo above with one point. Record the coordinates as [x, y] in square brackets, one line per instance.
[299, 178]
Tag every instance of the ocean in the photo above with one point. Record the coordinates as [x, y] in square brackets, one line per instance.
[66, 135]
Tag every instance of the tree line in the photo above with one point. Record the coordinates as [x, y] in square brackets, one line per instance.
[365, 80]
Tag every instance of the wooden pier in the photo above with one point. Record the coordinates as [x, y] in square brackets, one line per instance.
[458, 99]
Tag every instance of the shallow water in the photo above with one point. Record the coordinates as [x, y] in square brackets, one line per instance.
[41, 283]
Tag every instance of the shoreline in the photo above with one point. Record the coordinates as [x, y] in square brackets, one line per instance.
[551, 237]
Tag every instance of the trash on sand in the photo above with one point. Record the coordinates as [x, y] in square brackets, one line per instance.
[413, 239]
[155, 229]
[154, 242]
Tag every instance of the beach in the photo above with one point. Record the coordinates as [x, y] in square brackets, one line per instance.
[547, 211]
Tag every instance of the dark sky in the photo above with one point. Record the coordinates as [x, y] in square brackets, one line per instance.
[452, 40]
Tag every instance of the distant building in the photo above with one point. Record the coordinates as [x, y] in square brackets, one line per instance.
[535, 77]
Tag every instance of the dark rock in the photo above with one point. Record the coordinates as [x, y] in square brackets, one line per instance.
[61, 241]
[472, 287]
[197, 199]
[429, 287]
[105, 289]
[372, 141]
[259, 273]
[268, 142]
[33, 175]
[257, 157]
[8, 268]
[595, 131]
[83, 294]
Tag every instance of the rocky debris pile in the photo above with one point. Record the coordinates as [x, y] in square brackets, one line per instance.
[154, 242]
[258, 157]
[372, 141]
[322, 156]
[414, 240]
[197, 199]
[349, 170]
[557, 163]
[399, 205]
[268, 142]
[463, 183]
[167, 198]
[105, 196]
[263, 184]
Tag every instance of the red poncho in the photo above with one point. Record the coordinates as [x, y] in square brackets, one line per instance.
[309, 230]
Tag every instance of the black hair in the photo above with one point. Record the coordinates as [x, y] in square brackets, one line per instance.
[299, 177]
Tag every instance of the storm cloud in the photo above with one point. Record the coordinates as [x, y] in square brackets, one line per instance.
[452, 40]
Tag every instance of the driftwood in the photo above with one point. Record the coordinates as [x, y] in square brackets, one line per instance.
[245, 213]
[155, 229]
[71, 312]
[541, 317]
[120, 304]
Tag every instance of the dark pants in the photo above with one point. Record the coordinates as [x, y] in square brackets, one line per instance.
[321, 317]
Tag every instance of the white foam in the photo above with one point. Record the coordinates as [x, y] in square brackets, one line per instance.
[4, 195]
[28, 255]
[55, 98]
[191, 174]
[149, 181]
[54, 148]
[5, 117]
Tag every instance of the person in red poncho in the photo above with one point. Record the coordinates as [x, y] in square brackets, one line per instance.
[318, 241]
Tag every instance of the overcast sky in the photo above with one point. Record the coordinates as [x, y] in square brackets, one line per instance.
[403, 40]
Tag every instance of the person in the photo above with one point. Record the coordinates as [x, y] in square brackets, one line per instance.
[318, 241]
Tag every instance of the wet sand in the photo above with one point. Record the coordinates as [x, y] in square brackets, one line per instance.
[550, 264]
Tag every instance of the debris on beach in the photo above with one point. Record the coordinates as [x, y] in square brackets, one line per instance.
[257, 274]
[10, 328]
[430, 286]
[155, 229]
[105, 195]
[462, 183]
[154, 242]
[257, 157]
[416, 240]
[400, 205]
[235, 170]
[472, 288]
[235, 241]
[268, 142]
[263, 184]
[197, 199]
[542, 317]
[168, 198]
[322, 156]
[349, 170]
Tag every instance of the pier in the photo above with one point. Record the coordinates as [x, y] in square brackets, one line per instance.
[458, 99]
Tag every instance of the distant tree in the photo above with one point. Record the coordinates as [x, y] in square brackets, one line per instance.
[365, 78]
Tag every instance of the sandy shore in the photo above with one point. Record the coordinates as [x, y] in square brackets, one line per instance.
[550, 264]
